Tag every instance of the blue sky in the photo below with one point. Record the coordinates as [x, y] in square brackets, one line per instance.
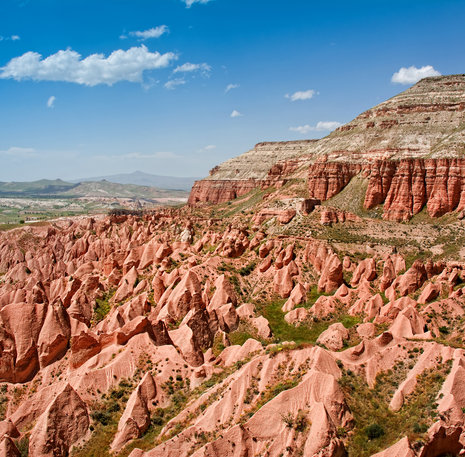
[91, 87]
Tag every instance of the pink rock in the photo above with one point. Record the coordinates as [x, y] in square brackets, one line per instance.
[296, 316]
[366, 269]
[127, 284]
[228, 318]
[186, 295]
[429, 293]
[8, 448]
[412, 279]
[331, 274]
[297, 297]
[136, 417]
[63, 423]
[400, 449]
[333, 338]
[54, 336]
[224, 293]
[366, 330]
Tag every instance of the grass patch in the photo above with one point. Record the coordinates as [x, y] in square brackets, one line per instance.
[102, 306]
[376, 426]
[307, 332]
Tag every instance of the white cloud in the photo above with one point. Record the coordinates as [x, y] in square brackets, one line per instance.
[230, 87]
[51, 101]
[210, 147]
[95, 69]
[320, 126]
[155, 32]
[173, 83]
[15, 151]
[413, 74]
[236, 113]
[301, 95]
[12, 38]
[188, 67]
[189, 3]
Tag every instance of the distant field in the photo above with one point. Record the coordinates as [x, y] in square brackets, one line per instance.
[44, 200]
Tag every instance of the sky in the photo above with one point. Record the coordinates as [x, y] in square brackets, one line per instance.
[175, 87]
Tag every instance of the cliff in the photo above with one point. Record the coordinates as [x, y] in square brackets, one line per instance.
[410, 148]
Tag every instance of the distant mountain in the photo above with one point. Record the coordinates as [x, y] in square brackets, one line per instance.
[41, 187]
[104, 188]
[58, 189]
[140, 178]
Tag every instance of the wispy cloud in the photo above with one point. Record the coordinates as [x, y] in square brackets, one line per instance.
[413, 74]
[155, 32]
[236, 113]
[68, 65]
[188, 67]
[230, 87]
[301, 95]
[12, 38]
[16, 151]
[189, 3]
[51, 101]
[173, 83]
[319, 127]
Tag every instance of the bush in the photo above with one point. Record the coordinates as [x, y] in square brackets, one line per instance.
[374, 431]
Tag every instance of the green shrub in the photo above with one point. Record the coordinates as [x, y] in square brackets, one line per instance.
[374, 431]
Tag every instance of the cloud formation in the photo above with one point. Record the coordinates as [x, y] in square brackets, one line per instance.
[189, 3]
[15, 151]
[155, 32]
[301, 95]
[51, 101]
[236, 113]
[12, 38]
[173, 83]
[413, 74]
[188, 67]
[319, 127]
[95, 69]
[230, 87]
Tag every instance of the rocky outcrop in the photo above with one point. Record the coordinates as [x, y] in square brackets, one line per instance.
[63, 423]
[409, 149]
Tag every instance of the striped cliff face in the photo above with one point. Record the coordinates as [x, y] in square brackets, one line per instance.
[410, 148]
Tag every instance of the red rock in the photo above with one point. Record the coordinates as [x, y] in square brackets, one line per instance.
[400, 449]
[331, 275]
[297, 297]
[429, 293]
[224, 293]
[265, 264]
[412, 279]
[366, 269]
[227, 317]
[83, 347]
[63, 423]
[333, 338]
[442, 440]
[186, 295]
[136, 417]
[54, 336]
[283, 282]
[8, 448]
